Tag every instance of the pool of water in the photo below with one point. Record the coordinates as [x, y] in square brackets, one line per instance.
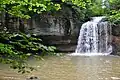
[69, 68]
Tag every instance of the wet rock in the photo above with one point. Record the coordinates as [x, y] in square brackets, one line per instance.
[116, 45]
[33, 78]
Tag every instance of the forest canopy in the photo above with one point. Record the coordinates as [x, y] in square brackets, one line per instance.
[24, 8]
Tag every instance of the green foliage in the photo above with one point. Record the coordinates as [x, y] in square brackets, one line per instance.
[84, 8]
[80, 3]
[114, 13]
[96, 10]
[110, 8]
[24, 8]
[115, 17]
[79, 8]
[16, 48]
[15, 58]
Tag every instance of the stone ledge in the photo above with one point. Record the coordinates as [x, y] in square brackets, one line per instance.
[62, 43]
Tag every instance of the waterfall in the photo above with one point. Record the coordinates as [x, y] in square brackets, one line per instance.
[94, 38]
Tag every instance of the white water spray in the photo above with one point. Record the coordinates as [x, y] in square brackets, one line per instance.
[94, 38]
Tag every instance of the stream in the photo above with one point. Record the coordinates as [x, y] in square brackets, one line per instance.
[69, 68]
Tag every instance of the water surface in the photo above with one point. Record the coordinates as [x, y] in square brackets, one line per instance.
[69, 68]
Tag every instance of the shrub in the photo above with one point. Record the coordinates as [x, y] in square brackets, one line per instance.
[16, 48]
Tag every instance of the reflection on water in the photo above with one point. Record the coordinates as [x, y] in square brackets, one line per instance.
[70, 68]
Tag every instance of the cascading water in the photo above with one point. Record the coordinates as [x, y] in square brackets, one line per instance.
[94, 38]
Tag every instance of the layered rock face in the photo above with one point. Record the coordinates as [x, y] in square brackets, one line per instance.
[58, 31]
